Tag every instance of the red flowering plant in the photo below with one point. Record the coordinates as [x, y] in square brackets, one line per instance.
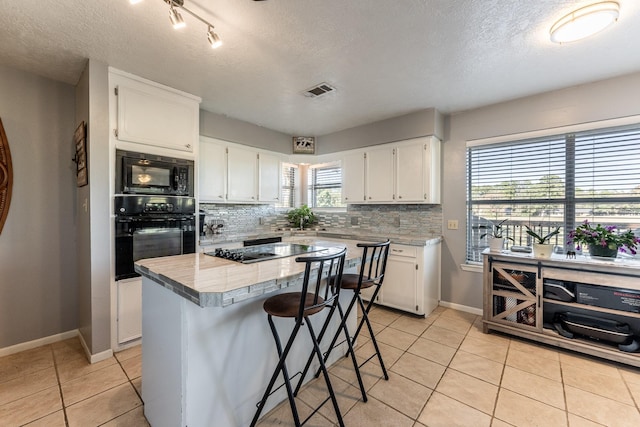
[606, 236]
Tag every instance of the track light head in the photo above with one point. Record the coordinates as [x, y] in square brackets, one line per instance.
[214, 39]
[176, 18]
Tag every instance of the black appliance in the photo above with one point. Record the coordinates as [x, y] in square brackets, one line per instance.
[139, 173]
[264, 252]
[152, 226]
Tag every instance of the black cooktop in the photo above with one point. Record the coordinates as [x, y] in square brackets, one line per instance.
[264, 252]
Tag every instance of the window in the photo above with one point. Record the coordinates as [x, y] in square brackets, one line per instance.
[553, 182]
[288, 192]
[325, 186]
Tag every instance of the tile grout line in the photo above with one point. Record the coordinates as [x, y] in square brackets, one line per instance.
[55, 365]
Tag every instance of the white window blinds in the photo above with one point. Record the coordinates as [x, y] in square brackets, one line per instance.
[553, 181]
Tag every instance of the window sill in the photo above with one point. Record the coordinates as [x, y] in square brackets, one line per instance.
[474, 268]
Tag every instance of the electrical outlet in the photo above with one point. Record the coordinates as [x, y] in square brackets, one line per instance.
[452, 224]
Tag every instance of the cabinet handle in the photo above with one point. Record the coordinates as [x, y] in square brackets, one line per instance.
[220, 197]
[346, 198]
[397, 250]
[188, 145]
[369, 197]
[399, 197]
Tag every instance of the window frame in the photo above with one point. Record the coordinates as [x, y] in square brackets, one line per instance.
[570, 200]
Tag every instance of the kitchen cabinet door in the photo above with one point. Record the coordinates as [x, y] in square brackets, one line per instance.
[155, 116]
[410, 172]
[212, 171]
[242, 174]
[269, 175]
[129, 309]
[380, 183]
[400, 284]
[353, 178]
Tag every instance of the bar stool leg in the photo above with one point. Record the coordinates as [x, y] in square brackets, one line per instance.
[350, 352]
[365, 319]
[280, 367]
[323, 368]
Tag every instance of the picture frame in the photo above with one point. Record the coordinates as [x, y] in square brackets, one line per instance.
[80, 159]
[304, 145]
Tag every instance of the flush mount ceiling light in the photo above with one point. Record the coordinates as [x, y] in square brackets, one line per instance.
[585, 22]
[175, 6]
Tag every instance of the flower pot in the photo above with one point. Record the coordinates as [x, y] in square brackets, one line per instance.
[542, 250]
[602, 251]
[496, 244]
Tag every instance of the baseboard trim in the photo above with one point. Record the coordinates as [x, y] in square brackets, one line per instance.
[94, 358]
[37, 343]
[459, 307]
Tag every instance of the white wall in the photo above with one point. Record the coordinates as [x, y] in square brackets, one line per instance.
[603, 100]
[37, 246]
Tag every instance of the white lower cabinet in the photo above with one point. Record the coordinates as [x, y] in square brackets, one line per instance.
[129, 321]
[400, 286]
[412, 279]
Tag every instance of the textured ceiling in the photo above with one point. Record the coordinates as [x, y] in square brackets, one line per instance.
[385, 57]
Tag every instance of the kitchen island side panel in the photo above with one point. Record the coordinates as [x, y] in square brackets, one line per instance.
[226, 358]
[162, 355]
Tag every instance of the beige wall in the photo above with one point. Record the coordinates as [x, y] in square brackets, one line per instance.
[38, 283]
[603, 100]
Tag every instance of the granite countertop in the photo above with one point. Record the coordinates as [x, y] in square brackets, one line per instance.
[215, 282]
[347, 234]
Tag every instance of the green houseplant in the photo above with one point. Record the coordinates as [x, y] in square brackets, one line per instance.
[496, 241]
[603, 241]
[301, 217]
[541, 246]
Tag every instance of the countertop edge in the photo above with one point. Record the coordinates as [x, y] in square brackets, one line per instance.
[227, 298]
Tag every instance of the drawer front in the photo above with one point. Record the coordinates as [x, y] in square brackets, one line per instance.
[403, 251]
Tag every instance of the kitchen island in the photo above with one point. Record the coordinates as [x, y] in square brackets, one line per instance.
[207, 351]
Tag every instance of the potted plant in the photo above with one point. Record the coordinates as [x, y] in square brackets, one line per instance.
[541, 246]
[496, 241]
[603, 241]
[301, 217]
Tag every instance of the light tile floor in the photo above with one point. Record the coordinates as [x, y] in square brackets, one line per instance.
[443, 372]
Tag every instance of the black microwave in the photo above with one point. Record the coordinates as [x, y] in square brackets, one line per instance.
[139, 173]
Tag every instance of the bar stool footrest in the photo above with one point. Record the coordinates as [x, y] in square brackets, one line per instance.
[280, 386]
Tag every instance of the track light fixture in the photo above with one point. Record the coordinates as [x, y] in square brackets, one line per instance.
[213, 38]
[175, 17]
[175, 6]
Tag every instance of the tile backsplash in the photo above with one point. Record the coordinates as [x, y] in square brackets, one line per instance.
[422, 220]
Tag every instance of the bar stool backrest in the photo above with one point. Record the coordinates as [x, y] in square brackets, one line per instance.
[328, 268]
[374, 262]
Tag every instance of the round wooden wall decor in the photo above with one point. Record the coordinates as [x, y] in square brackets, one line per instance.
[6, 176]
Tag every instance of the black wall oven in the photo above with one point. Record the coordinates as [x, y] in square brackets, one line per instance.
[152, 226]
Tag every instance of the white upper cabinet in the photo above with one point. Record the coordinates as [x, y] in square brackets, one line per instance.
[212, 171]
[269, 172]
[148, 113]
[399, 172]
[242, 174]
[380, 185]
[353, 177]
[237, 173]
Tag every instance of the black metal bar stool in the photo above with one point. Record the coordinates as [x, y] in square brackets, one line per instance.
[372, 269]
[299, 306]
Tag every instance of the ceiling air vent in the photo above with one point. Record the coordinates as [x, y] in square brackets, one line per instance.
[319, 90]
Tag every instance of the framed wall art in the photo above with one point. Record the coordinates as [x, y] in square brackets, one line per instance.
[80, 141]
[304, 145]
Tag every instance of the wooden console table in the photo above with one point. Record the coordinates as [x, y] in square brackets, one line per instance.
[515, 301]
